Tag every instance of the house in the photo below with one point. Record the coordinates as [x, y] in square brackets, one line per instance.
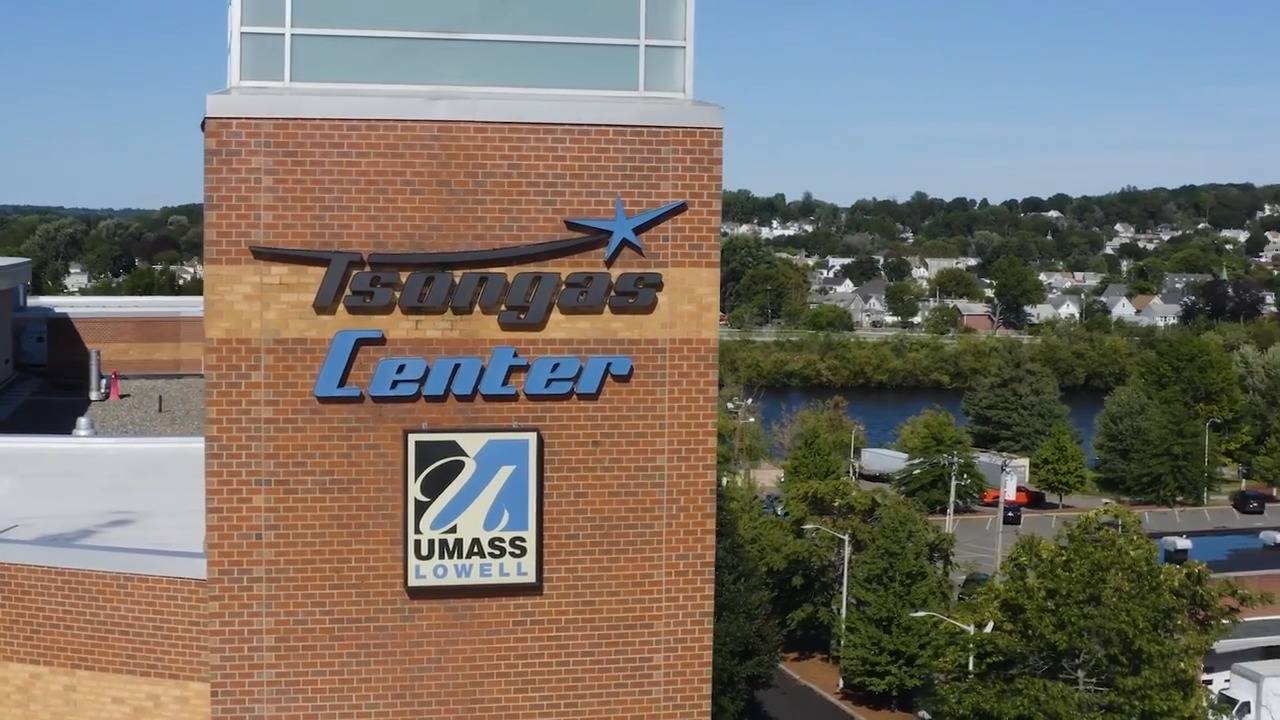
[924, 269]
[867, 305]
[1180, 281]
[837, 285]
[1041, 313]
[1124, 230]
[1114, 290]
[1141, 301]
[975, 315]
[1067, 307]
[77, 278]
[1159, 314]
[1120, 307]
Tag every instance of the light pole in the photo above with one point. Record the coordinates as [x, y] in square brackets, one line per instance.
[967, 628]
[844, 585]
[1207, 423]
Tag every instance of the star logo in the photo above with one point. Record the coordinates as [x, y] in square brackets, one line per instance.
[626, 231]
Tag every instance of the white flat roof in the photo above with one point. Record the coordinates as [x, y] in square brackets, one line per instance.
[460, 105]
[14, 271]
[127, 505]
[111, 306]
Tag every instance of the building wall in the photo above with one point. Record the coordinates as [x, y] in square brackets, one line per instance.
[129, 345]
[7, 299]
[304, 534]
[101, 646]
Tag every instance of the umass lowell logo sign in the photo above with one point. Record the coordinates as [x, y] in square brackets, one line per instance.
[464, 282]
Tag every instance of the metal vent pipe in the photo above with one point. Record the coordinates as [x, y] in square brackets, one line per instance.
[95, 375]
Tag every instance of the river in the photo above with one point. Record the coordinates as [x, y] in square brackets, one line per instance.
[882, 410]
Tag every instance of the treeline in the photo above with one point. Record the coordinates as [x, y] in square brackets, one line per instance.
[128, 251]
[1084, 220]
[1077, 357]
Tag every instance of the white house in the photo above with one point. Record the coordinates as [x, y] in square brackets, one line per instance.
[1160, 314]
[1067, 307]
[1120, 307]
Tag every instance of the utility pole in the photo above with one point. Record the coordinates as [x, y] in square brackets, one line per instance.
[951, 503]
[853, 458]
[1004, 481]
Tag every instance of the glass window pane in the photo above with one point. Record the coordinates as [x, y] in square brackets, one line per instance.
[262, 13]
[664, 19]
[261, 57]
[473, 63]
[563, 18]
[663, 69]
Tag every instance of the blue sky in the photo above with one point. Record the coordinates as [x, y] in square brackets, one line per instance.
[846, 98]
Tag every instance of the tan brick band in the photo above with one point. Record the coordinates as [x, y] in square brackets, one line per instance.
[33, 692]
[270, 300]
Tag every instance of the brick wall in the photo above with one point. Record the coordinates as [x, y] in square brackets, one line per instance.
[305, 500]
[88, 636]
[148, 345]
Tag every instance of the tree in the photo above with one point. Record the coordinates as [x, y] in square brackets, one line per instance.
[52, 248]
[739, 255]
[109, 249]
[777, 290]
[1220, 300]
[896, 269]
[955, 284]
[747, 645]
[1148, 449]
[1091, 625]
[942, 319]
[903, 564]
[828, 318]
[819, 441]
[1015, 286]
[1015, 406]
[1058, 465]
[1195, 375]
[937, 449]
[863, 268]
[902, 300]
[1266, 464]
[1255, 244]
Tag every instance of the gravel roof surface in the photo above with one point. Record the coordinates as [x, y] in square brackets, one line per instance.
[153, 408]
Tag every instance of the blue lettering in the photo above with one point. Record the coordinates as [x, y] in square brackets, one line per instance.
[330, 382]
[459, 374]
[417, 573]
[397, 377]
[486, 570]
[441, 571]
[462, 571]
[552, 377]
[502, 363]
[601, 367]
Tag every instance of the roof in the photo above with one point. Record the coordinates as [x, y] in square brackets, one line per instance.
[971, 308]
[1141, 301]
[14, 272]
[1232, 551]
[113, 306]
[882, 461]
[126, 505]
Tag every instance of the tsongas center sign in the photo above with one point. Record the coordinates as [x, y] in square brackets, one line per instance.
[473, 509]
[434, 283]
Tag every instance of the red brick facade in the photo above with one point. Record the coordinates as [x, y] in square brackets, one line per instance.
[129, 345]
[309, 618]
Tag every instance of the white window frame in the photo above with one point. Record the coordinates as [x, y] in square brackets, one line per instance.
[234, 32]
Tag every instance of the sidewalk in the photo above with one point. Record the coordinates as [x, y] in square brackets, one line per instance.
[820, 674]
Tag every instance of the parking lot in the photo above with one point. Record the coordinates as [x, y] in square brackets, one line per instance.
[977, 534]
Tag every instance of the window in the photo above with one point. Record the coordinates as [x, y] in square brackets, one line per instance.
[625, 47]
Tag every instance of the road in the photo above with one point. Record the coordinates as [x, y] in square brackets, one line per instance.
[870, 335]
[788, 699]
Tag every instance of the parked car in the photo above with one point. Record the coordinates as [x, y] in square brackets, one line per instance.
[1025, 497]
[971, 583]
[1012, 515]
[1249, 502]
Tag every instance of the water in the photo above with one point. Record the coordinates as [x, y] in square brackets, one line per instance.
[882, 410]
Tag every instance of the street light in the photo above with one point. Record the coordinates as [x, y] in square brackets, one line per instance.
[967, 628]
[1207, 423]
[844, 585]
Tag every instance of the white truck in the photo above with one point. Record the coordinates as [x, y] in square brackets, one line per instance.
[1252, 693]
